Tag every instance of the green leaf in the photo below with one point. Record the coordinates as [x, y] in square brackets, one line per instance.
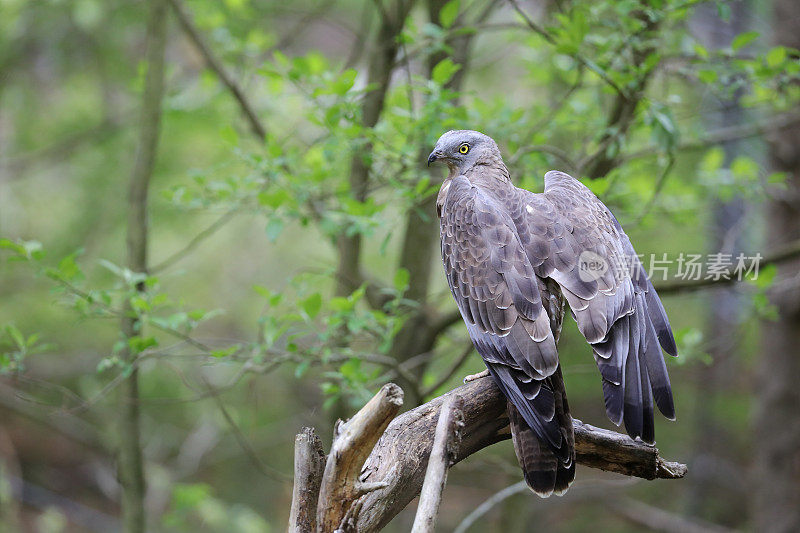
[229, 135]
[701, 51]
[344, 82]
[312, 305]
[449, 13]
[274, 198]
[301, 368]
[743, 39]
[68, 268]
[225, 352]
[274, 228]
[273, 298]
[401, 278]
[776, 56]
[707, 76]
[186, 496]
[340, 304]
[140, 344]
[16, 335]
[765, 277]
[444, 71]
[24, 250]
[351, 369]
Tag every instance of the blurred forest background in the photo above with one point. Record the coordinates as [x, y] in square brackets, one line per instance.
[216, 227]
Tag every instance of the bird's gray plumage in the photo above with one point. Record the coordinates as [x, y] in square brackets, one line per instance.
[512, 259]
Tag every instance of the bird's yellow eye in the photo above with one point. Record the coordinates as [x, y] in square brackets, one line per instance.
[464, 148]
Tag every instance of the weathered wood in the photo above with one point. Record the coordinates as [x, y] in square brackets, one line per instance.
[400, 456]
[616, 452]
[353, 441]
[309, 465]
[445, 446]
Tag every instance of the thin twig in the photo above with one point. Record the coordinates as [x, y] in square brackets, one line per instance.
[656, 519]
[662, 179]
[244, 444]
[578, 57]
[216, 65]
[727, 134]
[196, 241]
[581, 490]
[460, 360]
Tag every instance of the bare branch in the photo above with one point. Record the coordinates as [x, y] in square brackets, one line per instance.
[615, 452]
[784, 253]
[400, 456]
[196, 241]
[660, 182]
[460, 360]
[244, 444]
[352, 444]
[445, 447]
[443, 322]
[577, 492]
[309, 465]
[216, 65]
[655, 519]
[728, 134]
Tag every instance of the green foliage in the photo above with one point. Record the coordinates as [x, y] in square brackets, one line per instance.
[15, 347]
[194, 506]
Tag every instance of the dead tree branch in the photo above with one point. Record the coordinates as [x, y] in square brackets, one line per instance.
[309, 465]
[365, 499]
[353, 441]
[445, 448]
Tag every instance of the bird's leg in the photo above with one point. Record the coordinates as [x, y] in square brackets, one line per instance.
[473, 377]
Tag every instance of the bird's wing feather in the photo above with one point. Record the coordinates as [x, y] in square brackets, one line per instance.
[496, 290]
[493, 282]
[570, 236]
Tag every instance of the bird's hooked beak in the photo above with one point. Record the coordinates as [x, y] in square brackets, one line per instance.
[433, 157]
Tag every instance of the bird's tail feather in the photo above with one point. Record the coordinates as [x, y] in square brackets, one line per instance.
[544, 473]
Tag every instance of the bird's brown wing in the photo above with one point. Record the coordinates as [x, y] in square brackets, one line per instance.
[570, 236]
[495, 288]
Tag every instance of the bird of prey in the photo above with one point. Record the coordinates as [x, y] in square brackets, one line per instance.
[513, 259]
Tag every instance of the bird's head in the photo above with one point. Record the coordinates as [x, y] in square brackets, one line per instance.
[461, 150]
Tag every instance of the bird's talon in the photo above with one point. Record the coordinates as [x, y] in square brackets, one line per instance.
[473, 377]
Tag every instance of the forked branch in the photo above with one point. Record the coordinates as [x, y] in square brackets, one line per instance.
[352, 443]
[377, 463]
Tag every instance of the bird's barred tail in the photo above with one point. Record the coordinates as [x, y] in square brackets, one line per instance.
[545, 473]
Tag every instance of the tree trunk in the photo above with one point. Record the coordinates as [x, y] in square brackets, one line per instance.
[421, 232]
[131, 468]
[712, 439]
[777, 425]
[381, 64]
